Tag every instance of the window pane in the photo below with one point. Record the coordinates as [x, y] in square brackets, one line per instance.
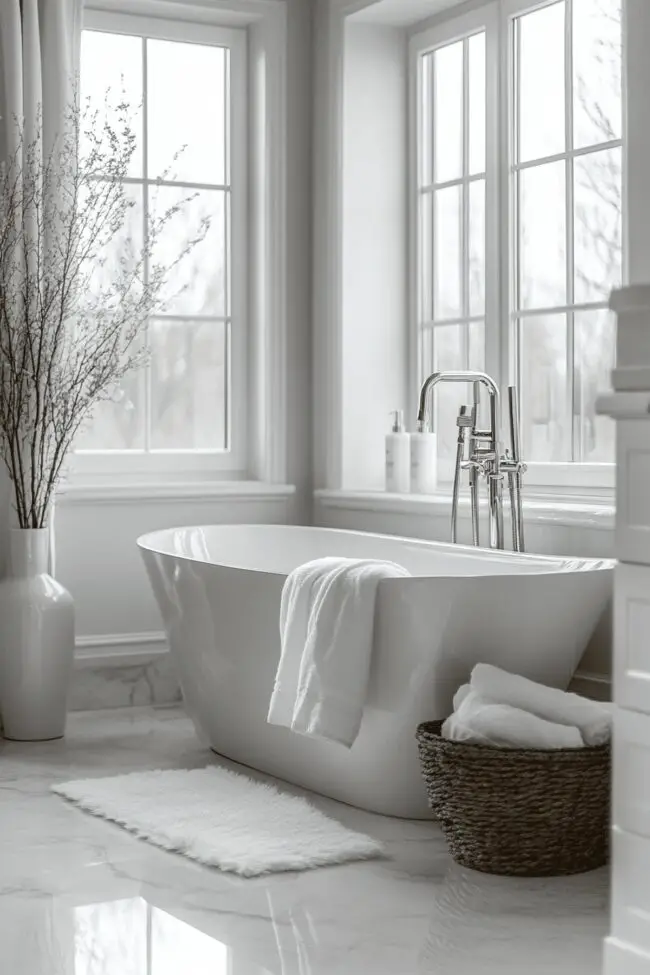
[542, 236]
[454, 347]
[186, 92]
[597, 56]
[451, 347]
[448, 112]
[541, 82]
[476, 254]
[426, 353]
[188, 385]
[111, 73]
[426, 120]
[543, 361]
[477, 96]
[447, 247]
[476, 359]
[449, 352]
[118, 423]
[595, 355]
[116, 257]
[426, 258]
[197, 285]
[598, 226]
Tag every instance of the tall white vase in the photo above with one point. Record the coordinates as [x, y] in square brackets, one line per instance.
[36, 642]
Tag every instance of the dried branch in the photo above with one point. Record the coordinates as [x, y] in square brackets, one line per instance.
[74, 297]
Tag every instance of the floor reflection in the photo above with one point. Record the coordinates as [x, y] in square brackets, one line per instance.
[132, 937]
[490, 920]
[474, 919]
[296, 936]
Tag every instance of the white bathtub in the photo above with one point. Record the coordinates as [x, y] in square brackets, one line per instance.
[218, 589]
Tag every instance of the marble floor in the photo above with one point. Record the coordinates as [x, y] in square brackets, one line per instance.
[79, 896]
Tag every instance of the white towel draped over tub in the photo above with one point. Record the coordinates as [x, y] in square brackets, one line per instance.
[326, 628]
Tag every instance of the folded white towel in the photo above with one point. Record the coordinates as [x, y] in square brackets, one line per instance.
[592, 719]
[326, 628]
[483, 722]
[461, 694]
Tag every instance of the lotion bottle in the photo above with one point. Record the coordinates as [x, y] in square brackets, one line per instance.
[398, 452]
[424, 461]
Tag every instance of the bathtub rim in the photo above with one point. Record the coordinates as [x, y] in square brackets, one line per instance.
[564, 565]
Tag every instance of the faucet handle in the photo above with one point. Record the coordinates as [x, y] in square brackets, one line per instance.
[474, 465]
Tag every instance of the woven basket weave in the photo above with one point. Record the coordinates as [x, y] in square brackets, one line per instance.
[518, 811]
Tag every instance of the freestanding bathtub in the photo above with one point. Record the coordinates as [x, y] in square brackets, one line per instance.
[218, 589]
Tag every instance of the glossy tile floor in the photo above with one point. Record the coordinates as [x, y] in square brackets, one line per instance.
[79, 896]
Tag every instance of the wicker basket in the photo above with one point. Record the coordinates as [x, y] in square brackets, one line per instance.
[518, 811]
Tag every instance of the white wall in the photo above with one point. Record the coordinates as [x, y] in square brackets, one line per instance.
[374, 264]
[99, 562]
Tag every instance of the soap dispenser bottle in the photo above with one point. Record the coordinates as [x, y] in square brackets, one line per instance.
[424, 460]
[398, 456]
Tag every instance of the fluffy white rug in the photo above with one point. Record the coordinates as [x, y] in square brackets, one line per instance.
[222, 819]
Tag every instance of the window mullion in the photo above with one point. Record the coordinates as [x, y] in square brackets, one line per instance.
[511, 122]
[569, 200]
[145, 211]
[464, 230]
[433, 76]
[496, 206]
[227, 229]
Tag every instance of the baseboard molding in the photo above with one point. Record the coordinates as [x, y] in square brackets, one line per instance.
[120, 649]
[595, 686]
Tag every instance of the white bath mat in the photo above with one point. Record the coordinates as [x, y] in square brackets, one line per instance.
[222, 819]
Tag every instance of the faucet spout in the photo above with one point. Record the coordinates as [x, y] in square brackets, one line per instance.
[485, 453]
[459, 376]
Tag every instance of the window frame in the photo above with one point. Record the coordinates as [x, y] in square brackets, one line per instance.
[201, 464]
[497, 18]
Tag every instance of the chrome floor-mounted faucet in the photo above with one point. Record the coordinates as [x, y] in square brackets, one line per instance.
[480, 452]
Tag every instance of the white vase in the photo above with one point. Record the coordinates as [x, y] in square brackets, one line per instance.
[36, 642]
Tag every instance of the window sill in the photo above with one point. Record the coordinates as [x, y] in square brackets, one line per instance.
[120, 493]
[578, 512]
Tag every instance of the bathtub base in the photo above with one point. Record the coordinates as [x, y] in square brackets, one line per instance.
[419, 812]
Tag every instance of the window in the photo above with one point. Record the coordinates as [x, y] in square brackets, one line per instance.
[186, 84]
[518, 207]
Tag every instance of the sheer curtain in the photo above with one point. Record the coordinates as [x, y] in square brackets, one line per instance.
[39, 42]
[39, 57]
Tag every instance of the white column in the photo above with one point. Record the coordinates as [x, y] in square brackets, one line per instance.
[627, 949]
[637, 86]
